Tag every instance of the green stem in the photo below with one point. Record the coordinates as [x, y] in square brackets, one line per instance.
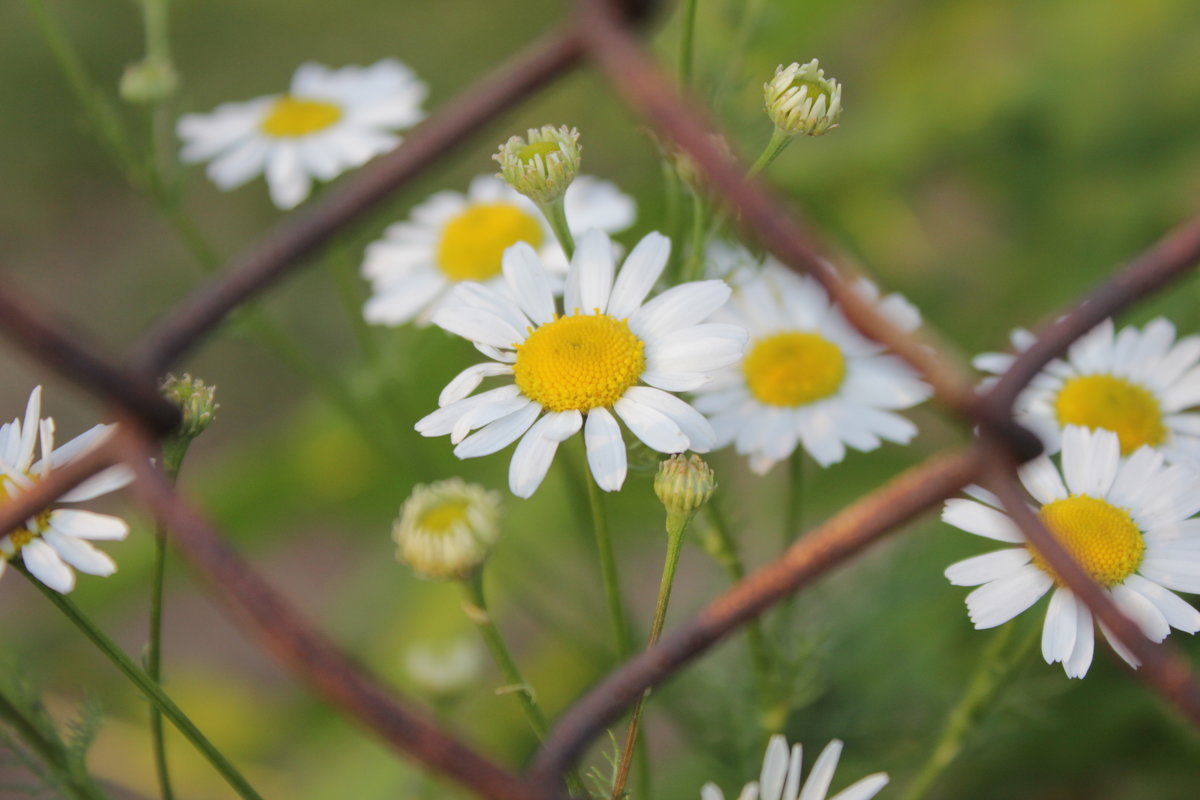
[778, 143]
[794, 522]
[74, 782]
[556, 215]
[608, 567]
[672, 194]
[147, 687]
[676, 526]
[687, 43]
[693, 268]
[984, 686]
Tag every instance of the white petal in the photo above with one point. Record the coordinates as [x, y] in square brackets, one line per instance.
[710, 791]
[675, 381]
[29, 430]
[641, 271]
[80, 555]
[529, 282]
[1085, 643]
[791, 788]
[466, 381]
[981, 520]
[594, 203]
[679, 307]
[478, 325]
[1058, 633]
[88, 524]
[657, 430]
[817, 785]
[987, 567]
[1171, 576]
[593, 261]
[288, 181]
[694, 425]
[605, 449]
[1042, 480]
[999, 601]
[536, 450]
[1089, 460]
[239, 164]
[442, 421]
[1145, 613]
[405, 298]
[864, 788]
[45, 565]
[499, 433]
[774, 768]
[1177, 611]
[102, 483]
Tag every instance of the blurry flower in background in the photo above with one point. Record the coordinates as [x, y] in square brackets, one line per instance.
[809, 378]
[780, 777]
[1124, 520]
[453, 237]
[542, 164]
[1135, 383]
[444, 669]
[446, 529]
[54, 540]
[583, 365]
[329, 121]
[800, 99]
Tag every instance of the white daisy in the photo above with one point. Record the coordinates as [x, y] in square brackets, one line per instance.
[585, 364]
[54, 540]
[1125, 520]
[1136, 383]
[328, 122]
[808, 377]
[453, 237]
[780, 777]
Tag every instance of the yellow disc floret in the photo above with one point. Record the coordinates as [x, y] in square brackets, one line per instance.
[1101, 537]
[579, 362]
[439, 519]
[530, 151]
[294, 116]
[473, 243]
[1115, 404]
[793, 369]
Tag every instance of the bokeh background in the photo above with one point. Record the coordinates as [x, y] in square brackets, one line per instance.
[995, 159]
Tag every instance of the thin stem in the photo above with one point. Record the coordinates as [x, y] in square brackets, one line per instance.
[672, 194]
[676, 526]
[608, 566]
[778, 143]
[147, 687]
[556, 215]
[996, 665]
[74, 782]
[693, 268]
[794, 522]
[687, 43]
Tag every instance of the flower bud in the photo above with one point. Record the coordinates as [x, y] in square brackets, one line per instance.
[444, 669]
[684, 485]
[195, 399]
[446, 529]
[148, 81]
[800, 99]
[542, 165]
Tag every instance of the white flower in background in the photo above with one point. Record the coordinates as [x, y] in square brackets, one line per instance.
[447, 529]
[329, 121]
[800, 99]
[809, 378]
[54, 540]
[453, 237]
[781, 773]
[444, 669]
[574, 370]
[1124, 520]
[1136, 383]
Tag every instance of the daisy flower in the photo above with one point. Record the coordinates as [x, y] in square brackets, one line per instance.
[453, 237]
[780, 777]
[1126, 521]
[1135, 383]
[809, 378]
[329, 121]
[54, 540]
[577, 369]
[446, 529]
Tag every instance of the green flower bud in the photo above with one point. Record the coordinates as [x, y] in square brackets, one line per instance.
[148, 81]
[542, 165]
[800, 99]
[684, 485]
[195, 399]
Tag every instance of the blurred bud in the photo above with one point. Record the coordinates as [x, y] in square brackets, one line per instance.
[446, 529]
[444, 669]
[684, 485]
[800, 99]
[689, 173]
[542, 165]
[195, 399]
[149, 81]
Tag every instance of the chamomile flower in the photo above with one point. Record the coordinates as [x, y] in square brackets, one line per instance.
[54, 540]
[329, 121]
[453, 237]
[809, 378]
[583, 368]
[800, 99]
[446, 529]
[1126, 521]
[1136, 383]
[780, 777]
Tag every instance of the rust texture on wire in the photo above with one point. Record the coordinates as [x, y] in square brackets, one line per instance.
[601, 30]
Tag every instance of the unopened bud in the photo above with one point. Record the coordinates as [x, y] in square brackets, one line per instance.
[542, 165]
[446, 529]
[148, 81]
[800, 99]
[684, 485]
[195, 399]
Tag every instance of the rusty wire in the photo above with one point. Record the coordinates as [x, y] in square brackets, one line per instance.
[601, 30]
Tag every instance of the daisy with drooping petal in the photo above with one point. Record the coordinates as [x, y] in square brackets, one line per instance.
[780, 777]
[1135, 383]
[329, 121]
[583, 369]
[809, 378]
[1126, 521]
[54, 540]
[453, 237]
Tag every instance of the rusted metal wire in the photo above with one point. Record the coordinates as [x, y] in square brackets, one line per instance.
[601, 30]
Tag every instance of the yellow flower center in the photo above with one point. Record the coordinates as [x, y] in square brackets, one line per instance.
[442, 518]
[294, 116]
[19, 537]
[527, 153]
[579, 362]
[793, 369]
[474, 242]
[1115, 404]
[1101, 537]
[815, 90]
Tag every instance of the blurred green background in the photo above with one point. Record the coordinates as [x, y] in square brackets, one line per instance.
[995, 159]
